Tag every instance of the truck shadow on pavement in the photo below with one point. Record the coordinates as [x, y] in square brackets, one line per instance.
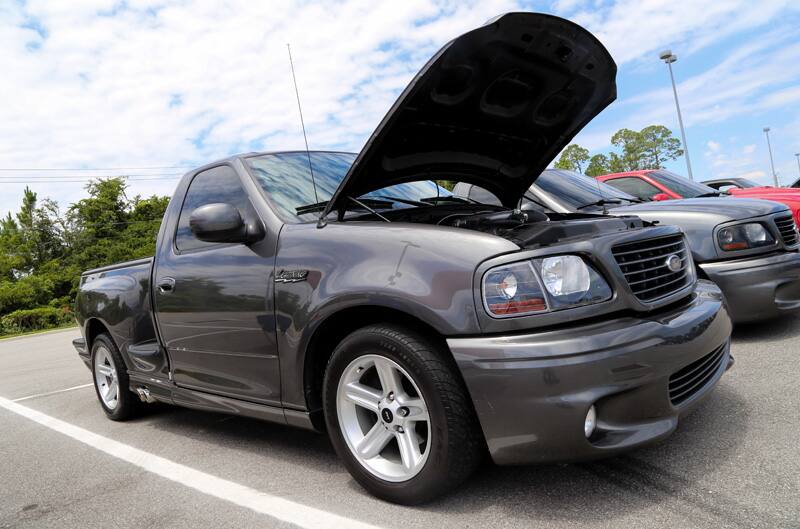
[565, 494]
[778, 329]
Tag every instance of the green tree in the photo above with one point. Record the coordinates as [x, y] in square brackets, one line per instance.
[631, 144]
[648, 148]
[658, 146]
[573, 157]
[599, 164]
[43, 251]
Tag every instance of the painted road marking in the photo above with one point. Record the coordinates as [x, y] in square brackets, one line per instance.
[260, 502]
[73, 388]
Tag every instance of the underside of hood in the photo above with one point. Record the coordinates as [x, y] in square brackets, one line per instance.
[493, 107]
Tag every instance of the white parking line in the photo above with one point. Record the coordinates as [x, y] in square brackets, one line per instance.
[73, 388]
[260, 502]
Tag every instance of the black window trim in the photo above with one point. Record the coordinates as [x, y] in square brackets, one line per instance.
[212, 245]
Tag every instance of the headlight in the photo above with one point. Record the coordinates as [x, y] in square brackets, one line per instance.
[542, 285]
[513, 289]
[744, 237]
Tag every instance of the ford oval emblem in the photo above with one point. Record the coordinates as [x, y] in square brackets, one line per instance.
[674, 263]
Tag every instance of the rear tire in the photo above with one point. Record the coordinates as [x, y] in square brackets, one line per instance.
[399, 416]
[111, 381]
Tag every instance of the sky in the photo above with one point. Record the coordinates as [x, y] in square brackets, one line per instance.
[151, 88]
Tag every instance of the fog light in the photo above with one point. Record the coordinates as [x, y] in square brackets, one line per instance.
[590, 422]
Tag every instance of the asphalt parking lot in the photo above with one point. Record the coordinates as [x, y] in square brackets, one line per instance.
[735, 462]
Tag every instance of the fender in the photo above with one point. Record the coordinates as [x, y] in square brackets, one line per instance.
[374, 264]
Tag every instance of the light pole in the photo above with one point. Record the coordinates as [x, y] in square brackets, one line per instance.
[797, 156]
[668, 57]
[771, 161]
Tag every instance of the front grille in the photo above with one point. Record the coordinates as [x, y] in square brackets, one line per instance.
[644, 264]
[788, 230]
[694, 377]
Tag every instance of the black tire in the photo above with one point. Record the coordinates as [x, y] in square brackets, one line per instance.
[128, 404]
[457, 445]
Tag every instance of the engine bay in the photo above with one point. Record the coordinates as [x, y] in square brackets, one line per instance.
[528, 228]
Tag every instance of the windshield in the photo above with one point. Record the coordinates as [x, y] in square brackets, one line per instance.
[575, 190]
[286, 180]
[680, 185]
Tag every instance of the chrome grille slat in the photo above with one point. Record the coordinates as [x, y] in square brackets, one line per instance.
[679, 252]
[787, 229]
[644, 265]
[653, 248]
[633, 283]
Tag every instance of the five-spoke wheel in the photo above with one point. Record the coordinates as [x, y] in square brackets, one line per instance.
[398, 414]
[105, 377]
[111, 380]
[384, 418]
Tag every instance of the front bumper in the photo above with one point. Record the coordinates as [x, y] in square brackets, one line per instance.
[532, 392]
[758, 288]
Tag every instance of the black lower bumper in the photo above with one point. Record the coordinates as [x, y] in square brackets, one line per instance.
[758, 288]
[532, 392]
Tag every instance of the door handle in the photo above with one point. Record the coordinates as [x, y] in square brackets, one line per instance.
[166, 285]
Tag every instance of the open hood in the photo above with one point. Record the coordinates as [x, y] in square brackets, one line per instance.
[493, 108]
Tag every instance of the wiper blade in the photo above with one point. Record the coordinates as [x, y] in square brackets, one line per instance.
[601, 202]
[400, 200]
[365, 203]
[457, 200]
[710, 194]
[311, 208]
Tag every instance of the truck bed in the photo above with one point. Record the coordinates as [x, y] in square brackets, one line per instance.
[117, 299]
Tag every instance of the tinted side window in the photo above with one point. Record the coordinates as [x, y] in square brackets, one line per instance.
[461, 190]
[483, 196]
[219, 184]
[635, 186]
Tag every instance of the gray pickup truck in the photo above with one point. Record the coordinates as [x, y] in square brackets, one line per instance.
[758, 269]
[351, 294]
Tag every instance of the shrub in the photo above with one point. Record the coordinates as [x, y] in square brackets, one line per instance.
[35, 319]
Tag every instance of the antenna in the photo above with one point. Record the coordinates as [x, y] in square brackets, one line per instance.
[602, 196]
[303, 126]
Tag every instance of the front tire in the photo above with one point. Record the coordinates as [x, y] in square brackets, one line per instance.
[398, 415]
[111, 381]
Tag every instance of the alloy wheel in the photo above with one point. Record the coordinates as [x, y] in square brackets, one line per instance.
[383, 418]
[105, 377]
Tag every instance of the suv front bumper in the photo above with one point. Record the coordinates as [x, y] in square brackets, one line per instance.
[758, 288]
[532, 391]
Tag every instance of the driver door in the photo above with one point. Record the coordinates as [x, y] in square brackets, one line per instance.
[214, 301]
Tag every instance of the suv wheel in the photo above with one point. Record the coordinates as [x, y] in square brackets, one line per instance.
[399, 416]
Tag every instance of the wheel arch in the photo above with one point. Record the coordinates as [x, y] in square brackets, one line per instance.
[334, 328]
[93, 328]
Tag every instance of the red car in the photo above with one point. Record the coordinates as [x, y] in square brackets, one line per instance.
[658, 184]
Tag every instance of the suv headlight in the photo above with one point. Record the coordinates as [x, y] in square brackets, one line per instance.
[744, 237]
[542, 285]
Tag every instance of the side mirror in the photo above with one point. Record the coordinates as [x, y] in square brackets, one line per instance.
[658, 197]
[223, 223]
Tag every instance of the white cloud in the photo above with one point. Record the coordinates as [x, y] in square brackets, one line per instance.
[636, 29]
[102, 83]
[150, 83]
